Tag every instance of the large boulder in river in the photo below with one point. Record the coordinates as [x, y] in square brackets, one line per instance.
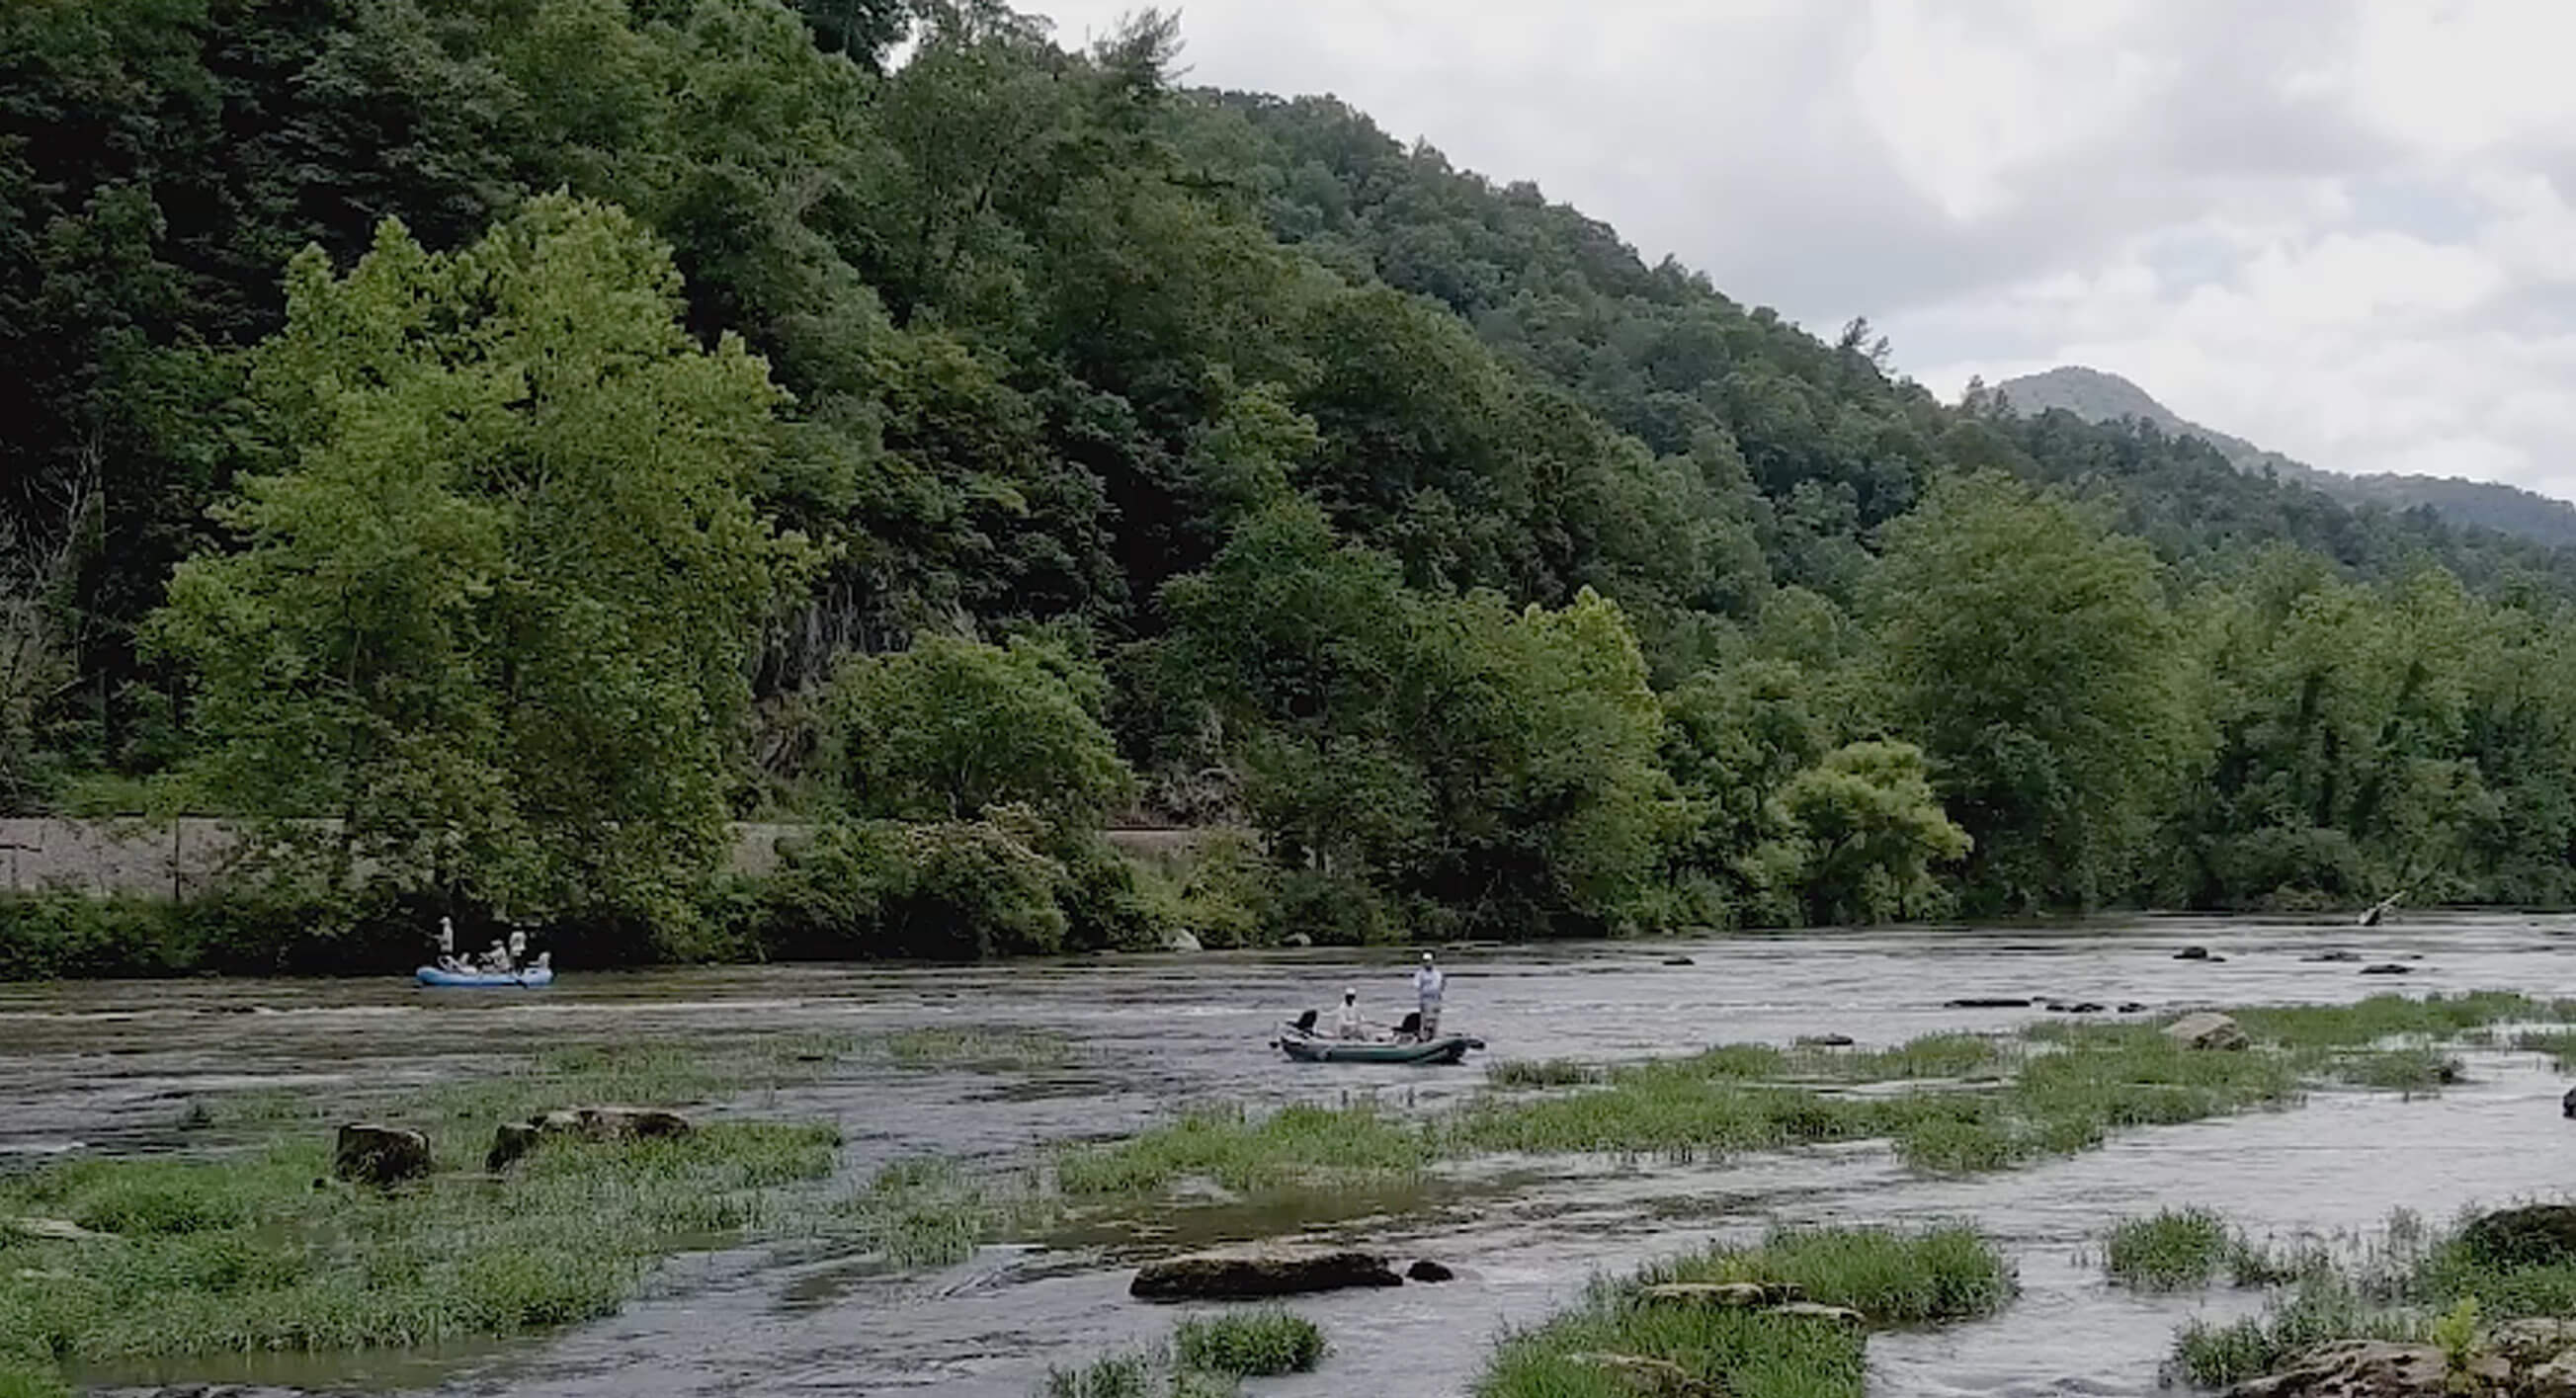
[1181, 939]
[2535, 1235]
[2207, 1030]
[379, 1155]
[517, 1138]
[1256, 1272]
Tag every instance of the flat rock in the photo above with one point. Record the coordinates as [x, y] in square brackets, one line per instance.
[1679, 961]
[2192, 954]
[1825, 1041]
[2388, 968]
[2533, 1342]
[59, 1230]
[366, 1153]
[2335, 957]
[517, 1138]
[1732, 1296]
[2132, 1007]
[2354, 1369]
[1426, 1270]
[1987, 1002]
[2207, 1030]
[1816, 1310]
[1257, 1272]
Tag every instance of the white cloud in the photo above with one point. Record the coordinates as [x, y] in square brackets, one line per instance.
[2340, 228]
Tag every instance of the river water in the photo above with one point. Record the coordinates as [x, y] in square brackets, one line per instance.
[113, 1067]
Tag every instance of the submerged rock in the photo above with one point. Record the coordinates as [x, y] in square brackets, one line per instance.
[1987, 1002]
[2207, 1030]
[379, 1155]
[517, 1138]
[2388, 968]
[2567, 1104]
[2132, 1007]
[1256, 1272]
[1825, 1041]
[1426, 1270]
[2193, 954]
[1679, 961]
[2535, 1235]
[2336, 957]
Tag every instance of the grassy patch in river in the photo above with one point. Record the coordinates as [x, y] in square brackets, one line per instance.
[1622, 1337]
[1981, 1103]
[256, 1248]
[2405, 1284]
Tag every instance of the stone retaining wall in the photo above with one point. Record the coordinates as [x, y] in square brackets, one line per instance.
[183, 858]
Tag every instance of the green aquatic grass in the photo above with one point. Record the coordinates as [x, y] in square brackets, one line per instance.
[2558, 1044]
[247, 1253]
[2389, 1016]
[2415, 1070]
[1145, 1373]
[1895, 1277]
[257, 1248]
[989, 1049]
[31, 1380]
[1549, 1072]
[2170, 1250]
[931, 1213]
[2322, 1309]
[1295, 1145]
[1891, 1277]
[1260, 1343]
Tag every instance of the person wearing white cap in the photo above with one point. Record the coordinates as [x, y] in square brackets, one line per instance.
[1346, 1022]
[1427, 985]
[447, 945]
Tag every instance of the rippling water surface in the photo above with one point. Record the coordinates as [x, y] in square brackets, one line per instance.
[113, 1067]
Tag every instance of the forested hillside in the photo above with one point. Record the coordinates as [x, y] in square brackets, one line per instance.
[523, 434]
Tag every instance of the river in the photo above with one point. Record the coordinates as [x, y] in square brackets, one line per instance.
[112, 1066]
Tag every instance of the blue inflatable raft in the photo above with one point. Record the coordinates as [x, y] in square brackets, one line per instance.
[531, 978]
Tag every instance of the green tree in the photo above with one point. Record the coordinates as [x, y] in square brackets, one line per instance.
[2031, 652]
[949, 727]
[495, 599]
[1867, 832]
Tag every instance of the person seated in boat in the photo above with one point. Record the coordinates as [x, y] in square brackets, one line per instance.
[495, 959]
[1346, 1022]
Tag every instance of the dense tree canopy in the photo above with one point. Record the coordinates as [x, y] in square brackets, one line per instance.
[531, 433]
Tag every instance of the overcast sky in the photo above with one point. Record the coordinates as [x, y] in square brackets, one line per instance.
[2342, 229]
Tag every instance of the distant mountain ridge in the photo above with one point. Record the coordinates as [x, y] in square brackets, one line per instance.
[2096, 396]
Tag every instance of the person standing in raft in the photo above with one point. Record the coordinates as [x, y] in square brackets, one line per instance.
[1427, 985]
[447, 945]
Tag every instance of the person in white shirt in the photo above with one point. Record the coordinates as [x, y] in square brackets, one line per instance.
[1427, 985]
[1346, 1022]
[447, 945]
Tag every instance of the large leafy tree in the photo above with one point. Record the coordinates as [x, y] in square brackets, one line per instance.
[2031, 653]
[494, 592]
[950, 727]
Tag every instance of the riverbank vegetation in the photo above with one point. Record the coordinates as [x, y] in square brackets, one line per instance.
[480, 450]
